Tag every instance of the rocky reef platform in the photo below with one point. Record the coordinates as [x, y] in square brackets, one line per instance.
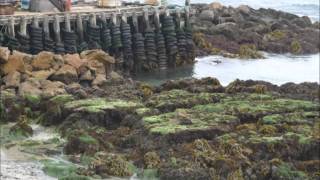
[243, 31]
[112, 126]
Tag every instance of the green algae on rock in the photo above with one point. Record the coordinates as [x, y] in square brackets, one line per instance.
[186, 119]
[80, 141]
[97, 105]
[111, 165]
[249, 51]
[58, 169]
[22, 128]
[291, 118]
[168, 101]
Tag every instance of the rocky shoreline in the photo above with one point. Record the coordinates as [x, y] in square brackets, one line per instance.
[243, 31]
[184, 129]
[109, 125]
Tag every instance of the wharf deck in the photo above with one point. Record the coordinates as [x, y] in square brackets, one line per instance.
[84, 11]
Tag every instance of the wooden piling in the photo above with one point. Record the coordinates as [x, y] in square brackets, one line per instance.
[57, 29]
[80, 27]
[104, 17]
[23, 26]
[157, 19]
[46, 26]
[93, 20]
[146, 18]
[11, 27]
[124, 17]
[35, 22]
[178, 18]
[114, 18]
[135, 22]
[67, 22]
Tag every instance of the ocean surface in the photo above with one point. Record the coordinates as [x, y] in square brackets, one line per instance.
[277, 69]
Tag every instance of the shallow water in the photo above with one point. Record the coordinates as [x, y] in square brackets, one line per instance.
[277, 69]
[17, 165]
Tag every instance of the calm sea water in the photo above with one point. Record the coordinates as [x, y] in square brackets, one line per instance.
[277, 69]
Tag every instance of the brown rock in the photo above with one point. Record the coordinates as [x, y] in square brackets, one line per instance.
[100, 56]
[216, 5]
[12, 79]
[87, 76]
[115, 77]
[52, 88]
[47, 60]
[99, 80]
[30, 87]
[42, 74]
[207, 15]
[74, 60]
[15, 63]
[66, 74]
[97, 67]
[4, 55]
[244, 9]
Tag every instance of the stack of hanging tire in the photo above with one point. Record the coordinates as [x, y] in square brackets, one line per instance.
[189, 41]
[94, 37]
[12, 43]
[24, 41]
[161, 51]
[182, 44]
[127, 46]
[59, 48]
[36, 34]
[151, 50]
[116, 36]
[139, 51]
[82, 47]
[116, 45]
[49, 44]
[105, 37]
[169, 32]
[70, 41]
[2, 39]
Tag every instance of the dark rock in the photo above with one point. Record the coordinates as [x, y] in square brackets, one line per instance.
[302, 22]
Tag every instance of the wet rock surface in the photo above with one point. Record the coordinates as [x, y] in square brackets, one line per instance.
[230, 29]
[183, 129]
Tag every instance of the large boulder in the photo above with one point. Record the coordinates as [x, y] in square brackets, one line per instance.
[47, 60]
[74, 60]
[30, 87]
[4, 55]
[216, 6]
[42, 74]
[66, 74]
[96, 66]
[13, 107]
[52, 88]
[244, 9]
[229, 30]
[100, 56]
[302, 22]
[87, 76]
[16, 62]
[12, 79]
[207, 15]
[100, 80]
